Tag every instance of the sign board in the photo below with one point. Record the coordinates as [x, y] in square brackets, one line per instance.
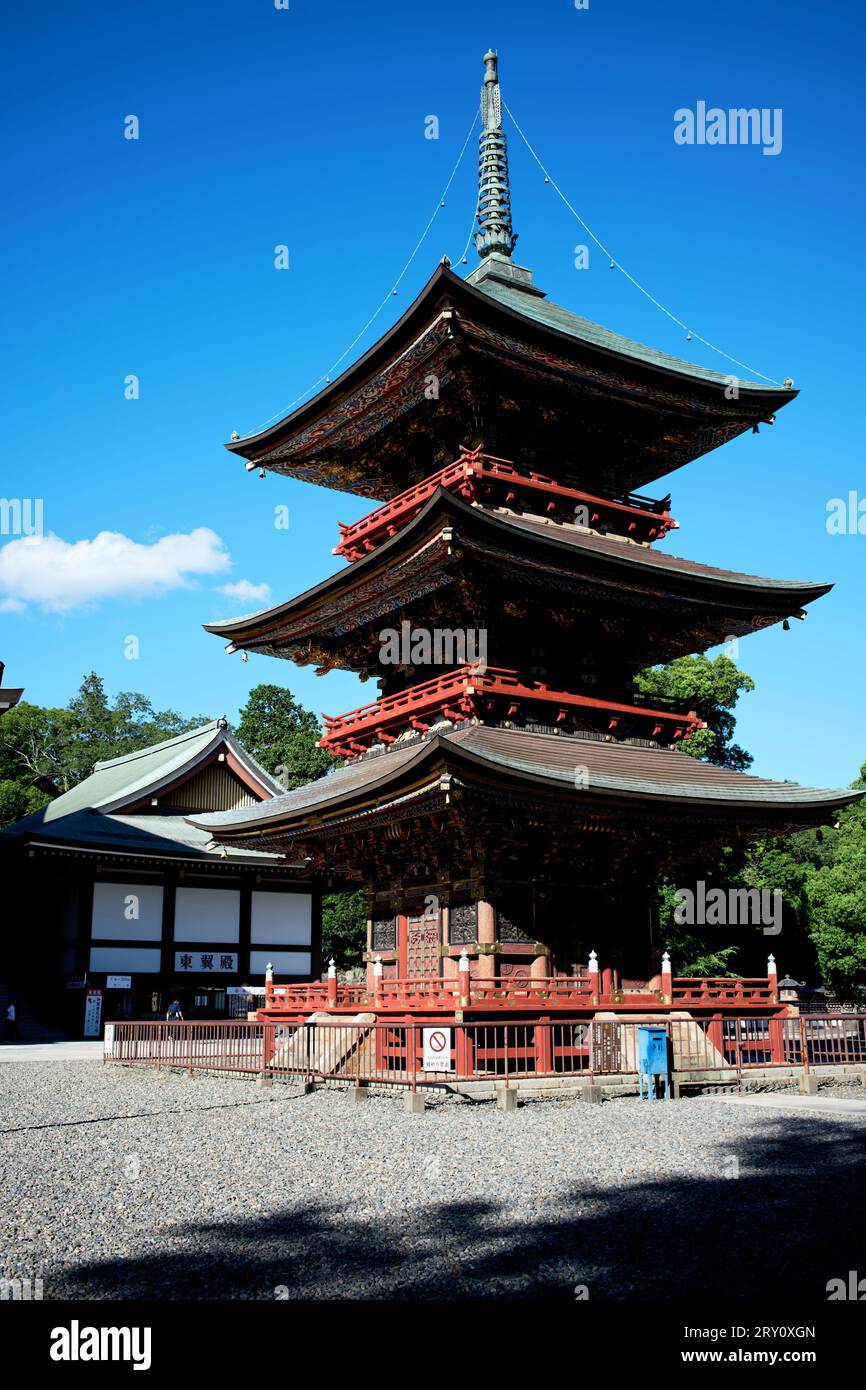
[606, 1044]
[118, 982]
[109, 1039]
[256, 990]
[437, 1050]
[92, 1013]
[206, 962]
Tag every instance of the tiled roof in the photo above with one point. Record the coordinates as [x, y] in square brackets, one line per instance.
[584, 330]
[157, 836]
[612, 769]
[127, 779]
[663, 560]
[622, 551]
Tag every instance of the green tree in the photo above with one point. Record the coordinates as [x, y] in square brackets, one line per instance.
[100, 729]
[283, 736]
[344, 927]
[835, 894]
[711, 689]
[18, 800]
[44, 752]
[33, 748]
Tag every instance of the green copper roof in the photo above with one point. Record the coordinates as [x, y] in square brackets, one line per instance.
[533, 306]
[156, 836]
[121, 781]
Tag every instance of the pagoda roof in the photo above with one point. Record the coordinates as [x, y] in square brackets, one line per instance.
[702, 604]
[498, 341]
[589, 334]
[617, 774]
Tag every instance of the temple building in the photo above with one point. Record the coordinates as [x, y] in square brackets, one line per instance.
[129, 905]
[508, 800]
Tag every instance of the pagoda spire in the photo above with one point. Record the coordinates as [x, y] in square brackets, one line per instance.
[494, 233]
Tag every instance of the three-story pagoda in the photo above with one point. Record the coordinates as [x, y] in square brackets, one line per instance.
[507, 800]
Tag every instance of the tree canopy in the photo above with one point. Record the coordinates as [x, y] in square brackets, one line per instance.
[711, 689]
[45, 751]
[282, 736]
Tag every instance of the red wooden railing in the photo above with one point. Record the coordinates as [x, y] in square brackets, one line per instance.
[587, 992]
[723, 989]
[393, 1052]
[474, 690]
[477, 476]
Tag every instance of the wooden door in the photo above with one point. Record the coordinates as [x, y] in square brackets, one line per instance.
[420, 940]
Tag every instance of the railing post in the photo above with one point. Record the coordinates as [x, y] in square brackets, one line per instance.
[463, 978]
[773, 979]
[667, 980]
[804, 1046]
[414, 1080]
[332, 983]
[543, 1046]
[592, 971]
[159, 1047]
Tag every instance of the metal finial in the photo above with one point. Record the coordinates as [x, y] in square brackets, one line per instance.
[494, 198]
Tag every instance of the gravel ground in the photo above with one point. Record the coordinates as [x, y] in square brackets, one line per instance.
[119, 1183]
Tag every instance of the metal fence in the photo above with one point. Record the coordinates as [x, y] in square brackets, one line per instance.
[416, 1054]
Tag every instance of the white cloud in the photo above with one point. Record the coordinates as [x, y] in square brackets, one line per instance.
[243, 591]
[61, 575]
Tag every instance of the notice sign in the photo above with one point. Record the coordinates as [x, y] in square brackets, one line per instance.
[118, 982]
[437, 1050]
[92, 1013]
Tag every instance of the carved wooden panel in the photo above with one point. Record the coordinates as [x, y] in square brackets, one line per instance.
[463, 924]
[520, 969]
[384, 933]
[512, 932]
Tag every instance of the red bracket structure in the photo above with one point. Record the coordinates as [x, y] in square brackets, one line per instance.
[479, 477]
[492, 694]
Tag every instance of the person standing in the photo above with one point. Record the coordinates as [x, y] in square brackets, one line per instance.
[174, 1014]
[11, 1022]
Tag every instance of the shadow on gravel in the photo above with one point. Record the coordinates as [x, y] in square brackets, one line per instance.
[773, 1219]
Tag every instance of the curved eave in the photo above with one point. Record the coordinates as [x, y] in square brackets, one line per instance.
[444, 285]
[399, 772]
[443, 505]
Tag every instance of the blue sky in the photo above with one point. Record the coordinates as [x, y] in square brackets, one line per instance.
[305, 127]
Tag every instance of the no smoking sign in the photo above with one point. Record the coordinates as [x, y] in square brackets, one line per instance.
[437, 1050]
